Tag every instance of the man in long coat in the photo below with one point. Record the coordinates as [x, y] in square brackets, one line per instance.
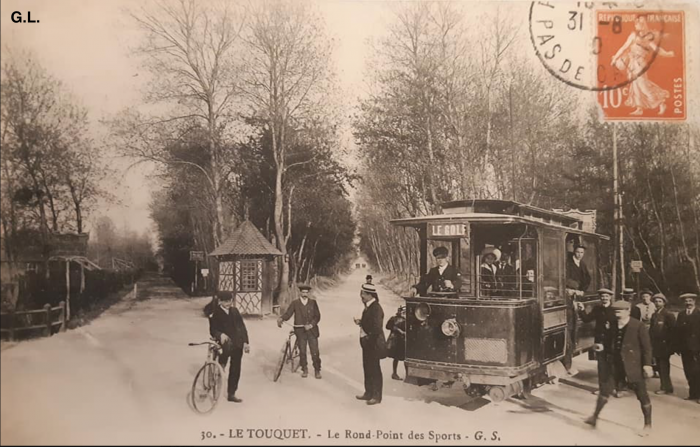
[604, 316]
[627, 350]
[661, 331]
[373, 344]
[306, 317]
[226, 325]
[688, 343]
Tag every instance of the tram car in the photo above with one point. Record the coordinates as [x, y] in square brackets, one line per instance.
[498, 337]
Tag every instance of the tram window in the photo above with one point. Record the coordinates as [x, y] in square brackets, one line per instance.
[553, 258]
[465, 266]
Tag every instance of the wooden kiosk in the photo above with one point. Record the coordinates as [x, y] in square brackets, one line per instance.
[245, 263]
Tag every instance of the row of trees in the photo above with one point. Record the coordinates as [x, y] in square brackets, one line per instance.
[458, 111]
[51, 168]
[249, 131]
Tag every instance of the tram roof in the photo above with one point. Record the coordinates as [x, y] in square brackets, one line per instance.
[500, 211]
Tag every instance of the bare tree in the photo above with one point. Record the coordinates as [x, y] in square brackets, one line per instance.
[287, 76]
[190, 50]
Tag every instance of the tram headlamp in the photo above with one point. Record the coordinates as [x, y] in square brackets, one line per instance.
[450, 327]
[422, 312]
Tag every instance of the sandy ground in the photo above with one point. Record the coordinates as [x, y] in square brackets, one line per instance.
[125, 378]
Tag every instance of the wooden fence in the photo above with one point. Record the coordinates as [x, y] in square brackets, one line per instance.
[45, 319]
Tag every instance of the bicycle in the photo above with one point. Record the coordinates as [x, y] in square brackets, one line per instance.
[208, 382]
[289, 354]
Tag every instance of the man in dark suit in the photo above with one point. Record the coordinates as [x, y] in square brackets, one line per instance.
[661, 331]
[227, 327]
[442, 278]
[373, 344]
[688, 344]
[627, 350]
[306, 318]
[577, 271]
[604, 316]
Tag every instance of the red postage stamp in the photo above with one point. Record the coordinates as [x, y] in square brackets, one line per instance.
[641, 66]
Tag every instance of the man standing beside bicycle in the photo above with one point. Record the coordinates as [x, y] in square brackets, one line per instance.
[226, 326]
[306, 317]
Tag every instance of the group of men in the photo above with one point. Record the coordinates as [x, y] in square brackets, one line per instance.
[626, 348]
[226, 326]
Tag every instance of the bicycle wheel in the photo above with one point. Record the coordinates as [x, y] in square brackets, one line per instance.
[294, 358]
[281, 361]
[206, 387]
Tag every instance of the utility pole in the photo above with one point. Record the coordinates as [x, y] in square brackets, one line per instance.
[616, 218]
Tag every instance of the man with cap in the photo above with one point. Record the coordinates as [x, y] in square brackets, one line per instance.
[661, 332]
[628, 295]
[442, 278]
[604, 316]
[368, 279]
[628, 356]
[688, 339]
[490, 271]
[306, 317]
[373, 344]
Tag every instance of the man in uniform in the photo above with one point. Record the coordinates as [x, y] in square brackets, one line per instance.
[442, 278]
[627, 351]
[661, 332]
[604, 317]
[227, 327]
[688, 333]
[306, 317]
[373, 344]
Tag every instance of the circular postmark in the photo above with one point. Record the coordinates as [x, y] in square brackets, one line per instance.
[596, 46]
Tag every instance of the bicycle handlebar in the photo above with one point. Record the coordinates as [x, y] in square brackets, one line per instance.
[293, 325]
[204, 343]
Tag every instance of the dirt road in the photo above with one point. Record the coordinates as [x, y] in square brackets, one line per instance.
[124, 378]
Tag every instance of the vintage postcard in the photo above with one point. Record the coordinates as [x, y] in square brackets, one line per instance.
[350, 222]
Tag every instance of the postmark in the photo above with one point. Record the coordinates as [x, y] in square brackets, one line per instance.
[656, 90]
[567, 39]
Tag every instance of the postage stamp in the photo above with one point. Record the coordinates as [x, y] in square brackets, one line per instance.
[645, 52]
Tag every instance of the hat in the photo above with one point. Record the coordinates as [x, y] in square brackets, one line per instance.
[645, 292]
[491, 251]
[689, 295]
[304, 287]
[604, 290]
[579, 246]
[368, 278]
[620, 305]
[550, 289]
[627, 291]
[441, 252]
[660, 296]
[369, 288]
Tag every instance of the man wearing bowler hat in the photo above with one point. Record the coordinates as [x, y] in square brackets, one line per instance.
[661, 331]
[442, 278]
[688, 336]
[373, 344]
[627, 350]
[604, 316]
[306, 317]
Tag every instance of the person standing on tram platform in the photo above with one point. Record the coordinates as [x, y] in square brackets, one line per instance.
[442, 278]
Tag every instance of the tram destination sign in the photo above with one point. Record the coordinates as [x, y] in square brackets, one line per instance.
[448, 229]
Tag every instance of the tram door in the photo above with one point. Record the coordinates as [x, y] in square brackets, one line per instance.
[552, 298]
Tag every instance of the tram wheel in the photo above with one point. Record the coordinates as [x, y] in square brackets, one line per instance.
[497, 394]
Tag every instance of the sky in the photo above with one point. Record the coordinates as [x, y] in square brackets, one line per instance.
[87, 44]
